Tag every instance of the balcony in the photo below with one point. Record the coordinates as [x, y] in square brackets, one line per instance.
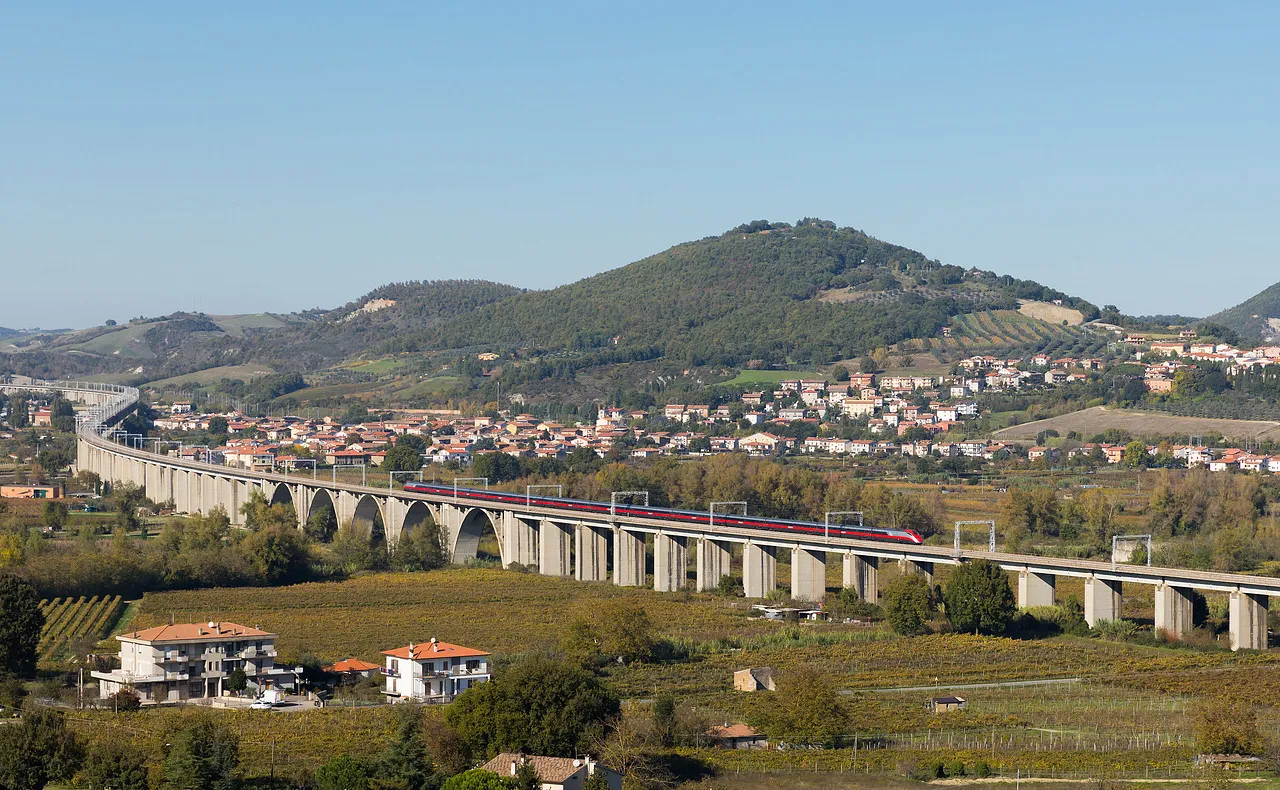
[254, 652]
[173, 659]
[177, 676]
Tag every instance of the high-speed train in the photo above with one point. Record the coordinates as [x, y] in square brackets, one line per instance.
[687, 516]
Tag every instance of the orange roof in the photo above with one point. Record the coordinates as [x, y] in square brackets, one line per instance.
[433, 649]
[351, 665]
[732, 731]
[186, 632]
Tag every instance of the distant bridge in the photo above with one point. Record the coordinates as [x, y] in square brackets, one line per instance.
[593, 547]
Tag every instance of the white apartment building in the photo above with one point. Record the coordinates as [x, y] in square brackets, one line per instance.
[186, 661]
[434, 671]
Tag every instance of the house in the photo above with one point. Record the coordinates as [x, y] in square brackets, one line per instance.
[54, 491]
[1168, 349]
[352, 668]
[946, 704]
[187, 661]
[736, 736]
[1049, 454]
[346, 458]
[763, 444]
[434, 671]
[554, 773]
[754, 679]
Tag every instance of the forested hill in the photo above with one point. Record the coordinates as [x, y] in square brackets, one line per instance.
[1251, 317]
[763, 291]
[389, 318]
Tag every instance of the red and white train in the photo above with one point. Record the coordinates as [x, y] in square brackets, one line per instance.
[688, 516]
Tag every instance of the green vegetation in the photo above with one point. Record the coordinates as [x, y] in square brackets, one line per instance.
[21, 621]
[1250, 318]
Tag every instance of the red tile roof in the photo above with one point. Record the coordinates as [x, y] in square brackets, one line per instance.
[427, 650]
[186, 632]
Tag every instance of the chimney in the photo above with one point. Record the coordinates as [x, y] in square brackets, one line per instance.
[513, 767]
[435, 646]
[411, 650]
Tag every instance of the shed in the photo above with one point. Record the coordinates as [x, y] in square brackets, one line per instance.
[754, 679]
[736, 736]
[946, 704]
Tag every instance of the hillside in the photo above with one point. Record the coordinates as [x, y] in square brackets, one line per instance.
[762, 295]
[771, 292]
[386, 320]
[1255, 319]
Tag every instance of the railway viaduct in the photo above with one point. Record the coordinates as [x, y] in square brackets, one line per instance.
[604, 547]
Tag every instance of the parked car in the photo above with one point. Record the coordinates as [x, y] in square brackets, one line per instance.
[261, 704]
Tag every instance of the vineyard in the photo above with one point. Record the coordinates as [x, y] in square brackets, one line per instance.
[1011, 332]
[72, 623]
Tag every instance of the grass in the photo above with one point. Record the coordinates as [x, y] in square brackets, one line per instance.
[209, 376]
[1139, 423]
[125, 342]
[750, 377]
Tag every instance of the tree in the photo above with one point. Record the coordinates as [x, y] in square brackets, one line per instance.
[664, 719]
[526, 777]
[114, 765]
[806, 707]
[478, 779]
[908, 604]
[1226, 726]
[543, 706]
[278, 554]
[406, 761]
[237, 681]
[321, 525]
[1136, 455]
[205, 756]
[355, 414]
[840, 374]
[423, 548]
[125, 700]
[218, 425]
[343, 772]
[55, 514]
[403, 457]
[626, 630]
[38, 751]
[21, 622]
[979, 598]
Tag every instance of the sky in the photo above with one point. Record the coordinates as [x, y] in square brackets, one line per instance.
[244, 157]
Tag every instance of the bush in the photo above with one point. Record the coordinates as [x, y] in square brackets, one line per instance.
[908, 604]
[981, 769]
[954, 768]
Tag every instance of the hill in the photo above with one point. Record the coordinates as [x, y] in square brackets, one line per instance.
[1255, 319]
[762, 295]
[772, 292]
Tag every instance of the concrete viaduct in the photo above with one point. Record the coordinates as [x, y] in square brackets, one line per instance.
[597, 548]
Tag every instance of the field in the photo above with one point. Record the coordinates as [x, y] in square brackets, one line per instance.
[72, 623]
[235, 325]
[752, 377]
[1129, 715]
[212, 376]
[1054, 314]
[1139, 423]
[126, 343]
[994, 331]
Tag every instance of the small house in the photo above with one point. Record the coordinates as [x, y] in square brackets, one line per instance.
[947, 704]
[736, 736]
[754, 679]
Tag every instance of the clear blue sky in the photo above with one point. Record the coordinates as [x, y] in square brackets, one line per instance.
[240, 157]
